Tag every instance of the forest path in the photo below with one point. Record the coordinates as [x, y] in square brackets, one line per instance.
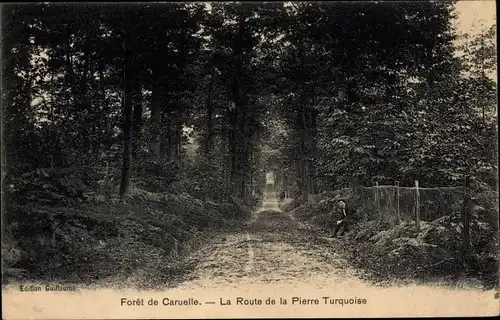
[272, 248]
[275, 256]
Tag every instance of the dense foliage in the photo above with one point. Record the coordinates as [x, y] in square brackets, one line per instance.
[205, 98]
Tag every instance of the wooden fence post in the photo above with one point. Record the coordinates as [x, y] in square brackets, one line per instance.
[362, 198]
[377, 202]
[417, 206]
[466, 211]
[398, 213]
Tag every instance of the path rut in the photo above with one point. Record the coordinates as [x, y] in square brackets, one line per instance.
[271, 248]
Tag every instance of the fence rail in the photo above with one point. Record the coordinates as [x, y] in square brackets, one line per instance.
[393, 204]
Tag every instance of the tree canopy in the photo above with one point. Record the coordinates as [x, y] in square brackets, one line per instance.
[208, 97]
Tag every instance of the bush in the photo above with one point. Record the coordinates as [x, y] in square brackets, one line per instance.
[433, 251]
[58, 238]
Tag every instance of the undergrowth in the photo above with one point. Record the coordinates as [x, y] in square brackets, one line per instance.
[399, 252]
[72, 227]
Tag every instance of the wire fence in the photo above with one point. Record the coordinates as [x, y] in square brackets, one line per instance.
[462, 209]
[393, 204]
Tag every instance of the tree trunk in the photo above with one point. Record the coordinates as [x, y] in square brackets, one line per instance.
[209, 121]
[102, 86]
[313, 132]
[302, 155]
[156, 100]
[127, 121]
[235, 113]
[245, 163]
[70, 74]
[234, 152]
[137, 97]
[176, 137]
[169, 139]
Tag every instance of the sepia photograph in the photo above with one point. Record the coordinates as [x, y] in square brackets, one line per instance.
[249, 159]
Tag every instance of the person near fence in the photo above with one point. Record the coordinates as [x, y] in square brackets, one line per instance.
[340, 225]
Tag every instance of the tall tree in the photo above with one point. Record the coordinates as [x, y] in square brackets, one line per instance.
[128, 116]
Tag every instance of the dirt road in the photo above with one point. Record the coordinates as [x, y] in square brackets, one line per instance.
[277, 256]
[271, 248]
[272, 251]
